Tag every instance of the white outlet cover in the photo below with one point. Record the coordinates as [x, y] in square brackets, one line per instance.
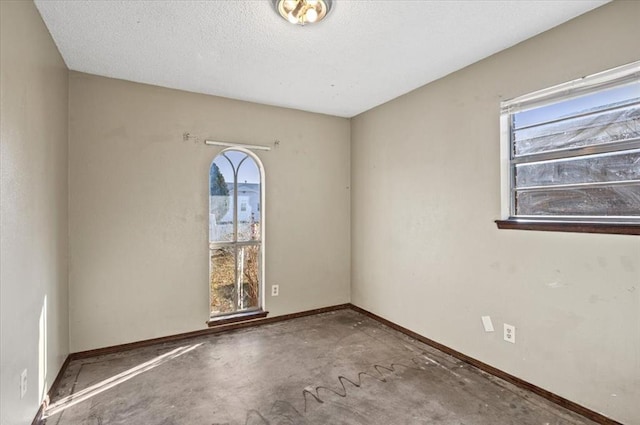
[488, 325]
[510, 333]
[275, 290]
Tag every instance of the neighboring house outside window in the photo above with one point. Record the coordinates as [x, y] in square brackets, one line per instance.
[235, 233]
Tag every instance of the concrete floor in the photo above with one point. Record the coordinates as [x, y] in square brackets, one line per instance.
[333, 368]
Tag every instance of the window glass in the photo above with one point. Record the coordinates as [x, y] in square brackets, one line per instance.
[599, 118]
[235, 193]
[574, 149]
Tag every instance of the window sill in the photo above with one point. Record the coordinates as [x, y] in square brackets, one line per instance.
[576, 227]
[235, 318]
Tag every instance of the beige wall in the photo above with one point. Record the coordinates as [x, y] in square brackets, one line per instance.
[139, 207]
[33, 239]
[427, 255]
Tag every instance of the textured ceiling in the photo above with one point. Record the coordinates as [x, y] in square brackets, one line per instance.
[364, 54]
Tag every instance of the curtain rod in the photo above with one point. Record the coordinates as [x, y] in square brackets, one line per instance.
[238, 145]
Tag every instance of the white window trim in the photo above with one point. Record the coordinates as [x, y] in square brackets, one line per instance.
[558, 93]
[263, 285]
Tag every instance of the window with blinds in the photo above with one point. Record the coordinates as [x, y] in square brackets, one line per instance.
[574, 150]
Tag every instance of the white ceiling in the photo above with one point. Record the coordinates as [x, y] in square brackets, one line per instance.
[365, 53]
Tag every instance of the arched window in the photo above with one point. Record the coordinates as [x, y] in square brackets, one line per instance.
[235, 233]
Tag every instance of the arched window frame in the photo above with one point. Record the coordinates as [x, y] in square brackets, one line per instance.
[259, 311]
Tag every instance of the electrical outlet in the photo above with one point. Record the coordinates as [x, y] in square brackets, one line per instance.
[275, 290]
[510, 333]
[23, 383]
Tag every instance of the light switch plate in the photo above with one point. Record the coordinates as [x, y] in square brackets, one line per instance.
[23, 383]
[488, 325]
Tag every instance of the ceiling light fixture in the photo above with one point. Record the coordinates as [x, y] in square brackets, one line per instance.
[303, 12]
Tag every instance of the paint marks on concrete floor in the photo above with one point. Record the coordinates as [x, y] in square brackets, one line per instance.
[334, 368]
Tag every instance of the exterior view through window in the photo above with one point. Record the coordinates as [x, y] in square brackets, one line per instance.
[235, 233]
[574, 150]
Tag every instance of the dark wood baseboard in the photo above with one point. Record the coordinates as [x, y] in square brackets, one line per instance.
[39, 420]
[214, 330]
[554, 398]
